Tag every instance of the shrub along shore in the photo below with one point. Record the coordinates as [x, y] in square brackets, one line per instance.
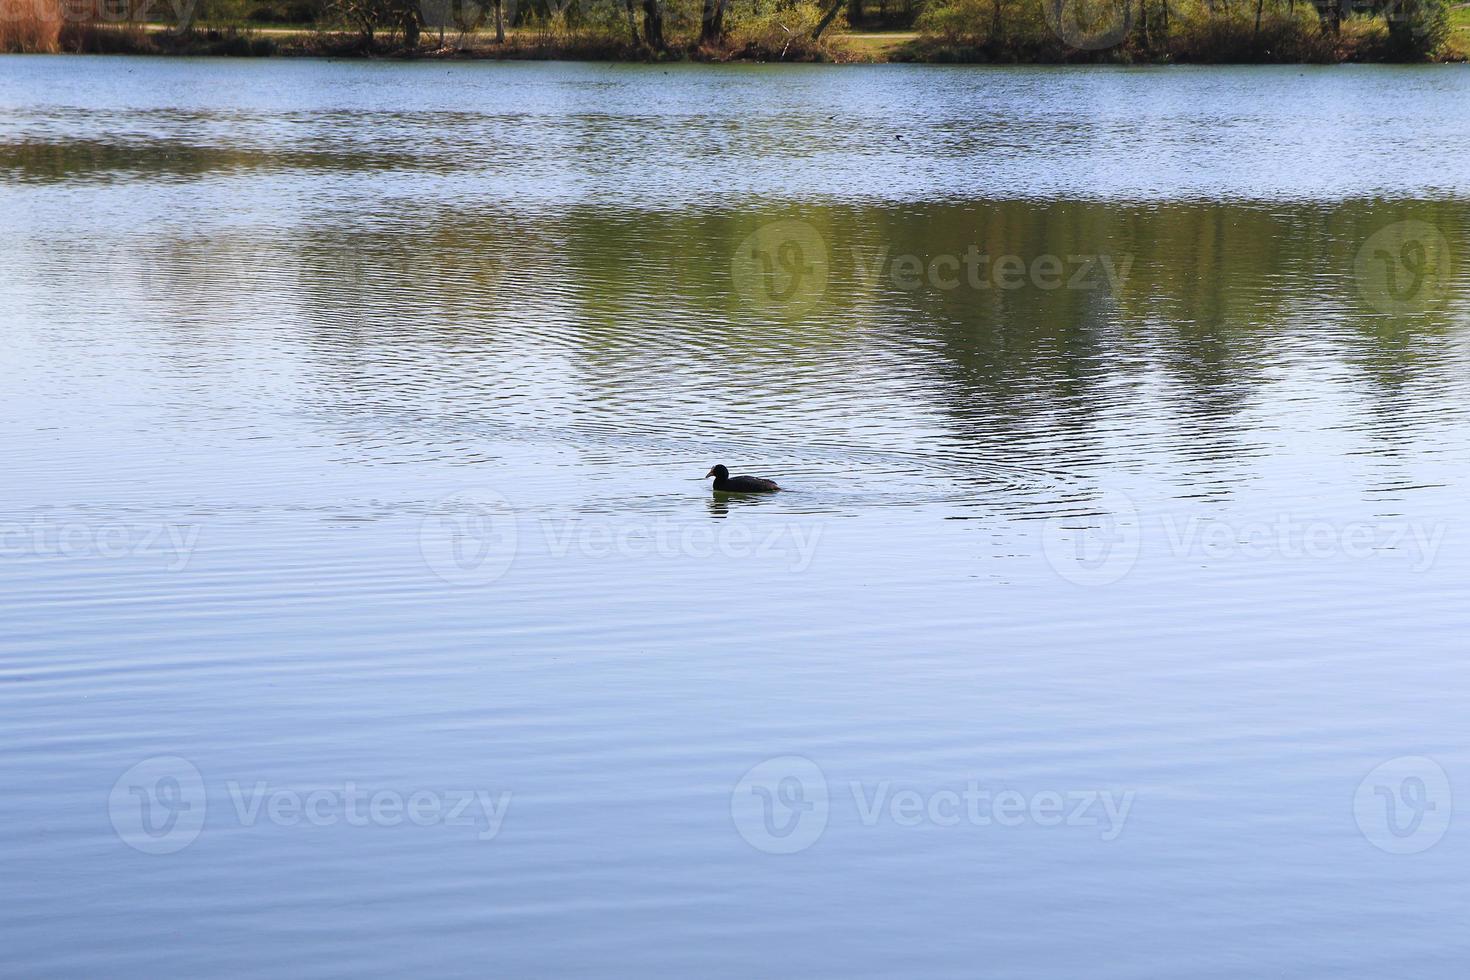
[968, 31]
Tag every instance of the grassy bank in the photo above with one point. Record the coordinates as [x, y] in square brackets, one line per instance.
[760, 31]
[939, 31]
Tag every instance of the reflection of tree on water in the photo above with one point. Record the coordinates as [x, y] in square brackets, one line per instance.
[1221, 300]
[596, 317]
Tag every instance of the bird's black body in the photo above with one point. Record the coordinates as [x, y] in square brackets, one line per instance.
[725, 483]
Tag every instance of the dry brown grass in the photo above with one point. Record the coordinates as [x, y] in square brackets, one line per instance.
[30, 26]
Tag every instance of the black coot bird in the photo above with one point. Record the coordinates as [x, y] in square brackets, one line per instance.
[739, 484]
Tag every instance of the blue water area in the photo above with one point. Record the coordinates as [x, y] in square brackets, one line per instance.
[364, 608]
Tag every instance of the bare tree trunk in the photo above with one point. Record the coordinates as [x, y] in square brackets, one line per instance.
[828, 18]
[712, 22]
[184, 23]
[653, 24]
[632, 23]
[1259, 4]
[855, 12]
[499, 21]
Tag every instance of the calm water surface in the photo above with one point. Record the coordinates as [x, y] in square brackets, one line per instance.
[363, 609]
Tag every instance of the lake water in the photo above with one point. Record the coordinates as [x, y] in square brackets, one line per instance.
[363, 608]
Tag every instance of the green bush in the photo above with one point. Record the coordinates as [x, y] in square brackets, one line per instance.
[1417, 28]
[781, 31]
[1173, 30]
[298, 12]
[1284, 35]
[955, 21]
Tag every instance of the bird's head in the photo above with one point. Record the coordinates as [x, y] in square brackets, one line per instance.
[718, 472]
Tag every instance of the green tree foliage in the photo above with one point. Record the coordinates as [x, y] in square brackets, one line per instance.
[1185, 30]
[1417, 28]
[782, 30]
[368, 17]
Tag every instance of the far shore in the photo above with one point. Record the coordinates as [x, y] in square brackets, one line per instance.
[306, 41]
[1279, 39]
